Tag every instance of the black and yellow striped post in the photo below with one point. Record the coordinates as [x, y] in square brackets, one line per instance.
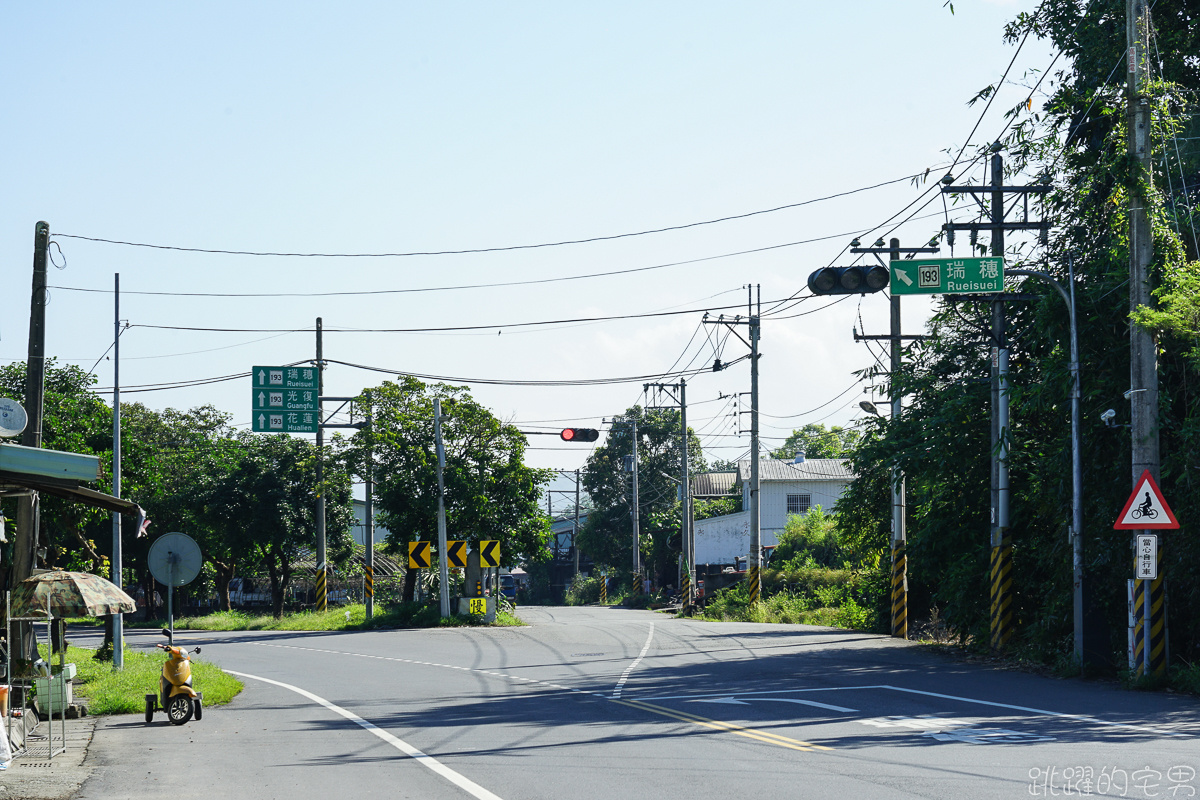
[686, 587]
[899, 592]
[1001, 593]
[368, 585]
[1138, 664]
[322, 589]
[637, 584]
[603, 589]
[753, 583]
[1156, 624]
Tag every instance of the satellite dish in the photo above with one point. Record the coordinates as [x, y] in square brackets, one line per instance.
[12, 417]
[175, 559]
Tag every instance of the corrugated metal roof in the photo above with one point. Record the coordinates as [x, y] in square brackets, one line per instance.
[811, 469]
[713, 484]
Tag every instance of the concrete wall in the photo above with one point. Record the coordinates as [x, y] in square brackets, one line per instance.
[720, 539]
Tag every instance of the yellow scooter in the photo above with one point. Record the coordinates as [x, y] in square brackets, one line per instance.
[175, 693]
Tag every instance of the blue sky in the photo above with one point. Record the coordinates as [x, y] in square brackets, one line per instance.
[363, 127]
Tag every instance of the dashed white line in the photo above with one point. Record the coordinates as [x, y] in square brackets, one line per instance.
[625, 675]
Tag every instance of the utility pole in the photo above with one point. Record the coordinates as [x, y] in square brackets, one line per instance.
[369, 522]
[118, 633]
[1143, 363]
[575, 529]
[322, 567]
[443, 565]
[896, 341]
[753, 322]
[637, 539]
[687, 555]
[1000, 571]
[25, 545]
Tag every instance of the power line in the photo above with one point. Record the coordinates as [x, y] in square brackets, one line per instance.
[507, 248]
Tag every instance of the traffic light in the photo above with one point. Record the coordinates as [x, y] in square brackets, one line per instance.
[849, 280]
[579, 435]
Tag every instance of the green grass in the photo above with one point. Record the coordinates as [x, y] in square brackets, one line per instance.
[124, 692]
[830, 609]
[342, 618]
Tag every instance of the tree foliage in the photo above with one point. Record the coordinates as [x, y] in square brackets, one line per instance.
[1077, 135]
[490, 493]
[608, 533]
[816, 442]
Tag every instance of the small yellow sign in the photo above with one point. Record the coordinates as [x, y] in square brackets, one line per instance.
[478, 605]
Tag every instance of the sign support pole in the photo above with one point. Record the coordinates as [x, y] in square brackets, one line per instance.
[322, 568]
[443, 566]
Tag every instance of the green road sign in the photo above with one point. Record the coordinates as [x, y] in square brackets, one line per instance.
[947, 276]
[284, 400]
[285, 378]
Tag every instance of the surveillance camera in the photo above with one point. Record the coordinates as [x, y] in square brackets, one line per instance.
[1107, 417]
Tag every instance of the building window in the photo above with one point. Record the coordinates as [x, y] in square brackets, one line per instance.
[798, 503]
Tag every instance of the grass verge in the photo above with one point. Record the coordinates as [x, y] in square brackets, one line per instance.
[342, 618]
[111, 692]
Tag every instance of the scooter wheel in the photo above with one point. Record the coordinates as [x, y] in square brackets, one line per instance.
[149, 708]
[179, 709]
[198, 705]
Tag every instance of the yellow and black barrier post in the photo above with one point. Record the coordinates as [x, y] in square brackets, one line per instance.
[1156, 624]
[753, 583]
[603, 589]
[637, 584]
[899, 591]
[368, 585]
[1001, 593]
[322, 589]
[1137, 661]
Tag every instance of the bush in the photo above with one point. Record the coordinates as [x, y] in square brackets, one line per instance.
[811, 540]
[583, 590]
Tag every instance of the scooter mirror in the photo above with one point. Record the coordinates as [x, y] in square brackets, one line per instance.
[196, 651]
[166, 632]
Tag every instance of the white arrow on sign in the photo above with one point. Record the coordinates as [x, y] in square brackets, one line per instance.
[262, 398]
[262, 376]
[732, 701]
[902, 275]
[262, 420]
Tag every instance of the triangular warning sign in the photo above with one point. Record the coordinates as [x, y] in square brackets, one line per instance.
[1146, 507]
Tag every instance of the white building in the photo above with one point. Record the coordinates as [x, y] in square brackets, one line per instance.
[359, 526]
[786, 487]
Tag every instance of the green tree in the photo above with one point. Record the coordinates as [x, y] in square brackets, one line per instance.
[817, 442]
[267, 504]
[608, 533]
[490, 493]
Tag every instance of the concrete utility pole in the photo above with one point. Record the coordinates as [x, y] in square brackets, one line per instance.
[899, 533]
[443, 566]
[369, 522]
[1143, 360]
[1000, 573]
[322, 567]
[754, 567]
[687, 555]
[637, 552]
[118, 633]
[896, 341]
[574, 530]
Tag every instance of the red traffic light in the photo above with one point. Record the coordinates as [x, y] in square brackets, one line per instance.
[579, 435]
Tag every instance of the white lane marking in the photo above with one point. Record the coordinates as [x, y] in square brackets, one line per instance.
[625, 675]
[1060, 715]
[425, 760]
[772, 691]
[429, 664]
[733, 701]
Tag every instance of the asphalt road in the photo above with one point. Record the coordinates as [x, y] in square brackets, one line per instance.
[610, 703]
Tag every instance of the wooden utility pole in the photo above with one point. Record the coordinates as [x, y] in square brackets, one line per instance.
[25, 544]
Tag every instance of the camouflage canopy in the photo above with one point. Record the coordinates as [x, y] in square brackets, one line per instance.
[71, 594]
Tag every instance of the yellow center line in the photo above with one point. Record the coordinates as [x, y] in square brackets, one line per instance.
[726, 727]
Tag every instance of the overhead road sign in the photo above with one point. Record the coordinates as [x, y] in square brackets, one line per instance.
[1146, 508]
[285, 378]
[947, 276]
[456, 554]
[418, 555]
[489, 553]
[284, 400]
